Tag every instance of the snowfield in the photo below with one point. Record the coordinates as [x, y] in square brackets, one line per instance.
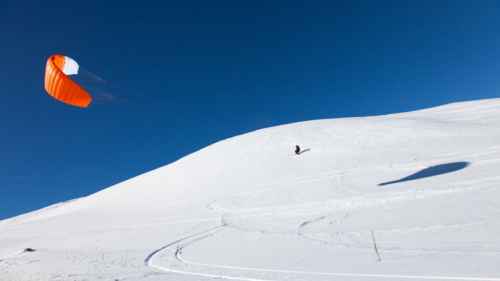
[410, 196]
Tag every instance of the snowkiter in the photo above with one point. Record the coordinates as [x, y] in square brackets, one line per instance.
[297, 149]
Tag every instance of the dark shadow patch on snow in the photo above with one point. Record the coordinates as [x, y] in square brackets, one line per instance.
[304, 151]
[431, 172]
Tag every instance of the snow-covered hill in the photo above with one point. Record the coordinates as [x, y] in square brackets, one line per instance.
[405, 196]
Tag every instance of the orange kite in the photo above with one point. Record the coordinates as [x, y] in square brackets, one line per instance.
[60, 86]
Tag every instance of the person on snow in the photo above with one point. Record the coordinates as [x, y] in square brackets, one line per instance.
[297, 150]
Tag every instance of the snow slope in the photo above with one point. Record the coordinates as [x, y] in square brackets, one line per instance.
[411, 196]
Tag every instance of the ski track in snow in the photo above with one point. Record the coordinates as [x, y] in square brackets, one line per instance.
[184, 242]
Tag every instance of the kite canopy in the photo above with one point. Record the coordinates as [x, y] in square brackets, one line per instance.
[59, 85]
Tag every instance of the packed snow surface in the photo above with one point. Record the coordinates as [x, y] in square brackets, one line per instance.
[411, 196]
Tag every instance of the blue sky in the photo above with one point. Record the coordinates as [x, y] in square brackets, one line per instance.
[188, 73]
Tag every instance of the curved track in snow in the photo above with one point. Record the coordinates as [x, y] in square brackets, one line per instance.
[180, 265]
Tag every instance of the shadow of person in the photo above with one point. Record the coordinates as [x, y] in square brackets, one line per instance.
[431, 172]
[304, 151]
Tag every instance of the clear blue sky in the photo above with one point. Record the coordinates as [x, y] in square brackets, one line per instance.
[189, 73]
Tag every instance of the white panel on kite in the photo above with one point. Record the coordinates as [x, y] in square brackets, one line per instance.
[70, 66]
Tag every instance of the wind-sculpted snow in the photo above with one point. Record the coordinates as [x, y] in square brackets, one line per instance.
[410, 196]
